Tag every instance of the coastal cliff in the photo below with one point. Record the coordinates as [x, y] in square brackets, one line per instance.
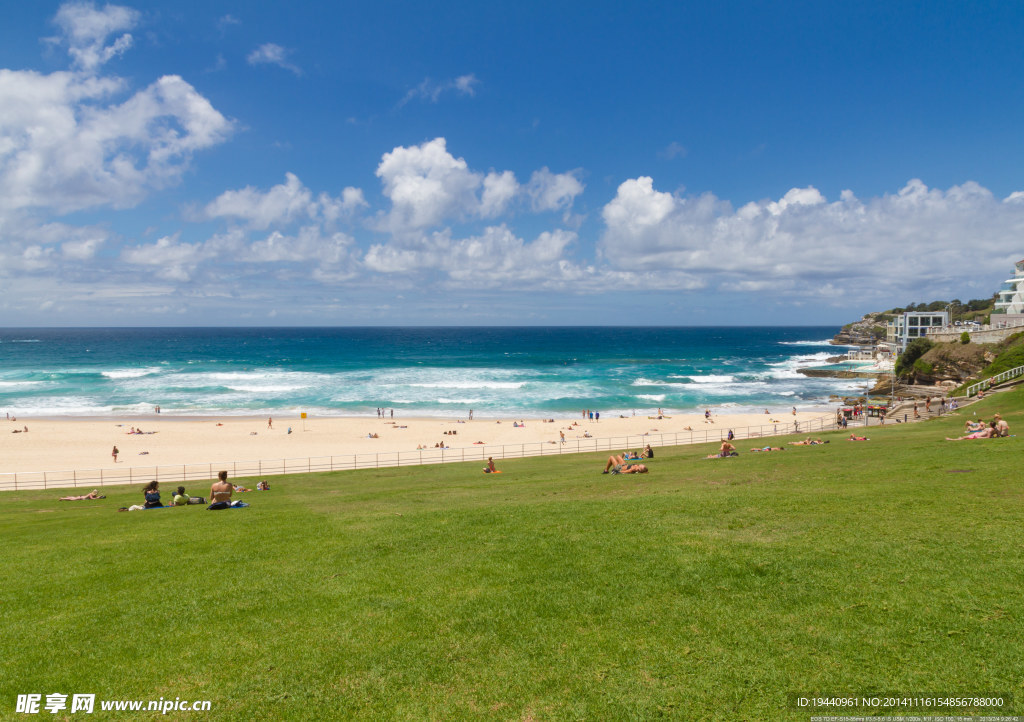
[866, 332]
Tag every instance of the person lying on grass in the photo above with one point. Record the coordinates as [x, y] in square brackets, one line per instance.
[91, 495]
[854, 437]
[770, 448]
[618, 465]
[987, 433]
[807, 442]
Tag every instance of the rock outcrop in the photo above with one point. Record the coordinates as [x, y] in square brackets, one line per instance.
[865, 332]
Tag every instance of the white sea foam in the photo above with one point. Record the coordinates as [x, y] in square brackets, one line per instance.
[711, 379]
[19, 384]
[651, 397]
[130, 373]
[826, 342]
[266, 388]
[471, 385]
[787, 369]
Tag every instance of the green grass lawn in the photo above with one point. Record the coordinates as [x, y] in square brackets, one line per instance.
[707, 589]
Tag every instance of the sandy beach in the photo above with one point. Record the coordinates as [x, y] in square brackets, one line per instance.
[86, 444]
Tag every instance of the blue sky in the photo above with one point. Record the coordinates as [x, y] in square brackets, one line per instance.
[523, 163]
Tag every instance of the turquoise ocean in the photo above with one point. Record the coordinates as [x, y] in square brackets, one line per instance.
[528, 372]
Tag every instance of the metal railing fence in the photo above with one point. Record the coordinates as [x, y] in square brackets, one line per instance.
[985, 384]
[185, 473]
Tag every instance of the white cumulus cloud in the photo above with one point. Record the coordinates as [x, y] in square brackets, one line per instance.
[921, 239]
[85, 29]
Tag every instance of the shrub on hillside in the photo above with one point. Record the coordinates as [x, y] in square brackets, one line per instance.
[915, 350]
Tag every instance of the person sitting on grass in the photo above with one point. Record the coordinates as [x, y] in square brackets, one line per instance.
[152, 494]
[489, 469]
[220, 492]
[180, 497]
[618, 465]
[263, 486]
[648, 452]
[1002, 428]
[91, 495]
[726, 449]
[988, 432]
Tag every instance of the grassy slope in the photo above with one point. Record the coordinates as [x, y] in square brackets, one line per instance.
[707, 589]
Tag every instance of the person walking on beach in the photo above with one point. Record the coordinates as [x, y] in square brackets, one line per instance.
[561, 436]
[270, 422]
[114, 453]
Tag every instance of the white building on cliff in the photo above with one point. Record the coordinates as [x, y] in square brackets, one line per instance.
[1011, 295]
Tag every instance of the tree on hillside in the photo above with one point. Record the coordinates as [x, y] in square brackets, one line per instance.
[915, 350]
